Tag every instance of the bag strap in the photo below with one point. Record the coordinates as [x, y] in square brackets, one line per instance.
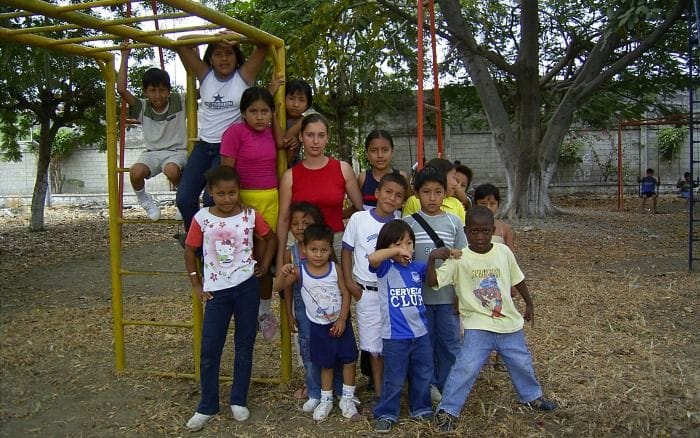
[428, 229]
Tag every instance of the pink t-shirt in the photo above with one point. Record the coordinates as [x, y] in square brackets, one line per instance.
[255, 154]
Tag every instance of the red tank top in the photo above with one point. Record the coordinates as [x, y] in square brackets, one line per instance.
[324, 187]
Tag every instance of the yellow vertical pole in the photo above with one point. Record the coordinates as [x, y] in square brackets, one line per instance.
[115, 228]
[197, 315]
[277, 54]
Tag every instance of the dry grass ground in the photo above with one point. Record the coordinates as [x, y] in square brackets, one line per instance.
[614, 341]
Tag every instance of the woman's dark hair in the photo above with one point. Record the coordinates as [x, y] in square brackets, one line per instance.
[156, 77]
[253, 94]
[240, 57]
[429, 174]
[308, 209]
[392, 232]
[299, 86]
[484, 190]
[318, 232]
[445, 166]
[313, 118]
[222, 173]
[461, 168]
[379, 133]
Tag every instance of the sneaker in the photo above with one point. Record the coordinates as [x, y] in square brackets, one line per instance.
[542, 404]
[151, 207]
[322, 410]
[240, 413]
[310, 404]
[435, 395]
[198, 421]
[348, 408]
[268, 325]
[382, 426]
[445, 422]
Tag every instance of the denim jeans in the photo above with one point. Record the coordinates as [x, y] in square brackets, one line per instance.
[443, 328]
[242, 303]
[313, 372]
[203, 157]
[404, 358]
[477, 346]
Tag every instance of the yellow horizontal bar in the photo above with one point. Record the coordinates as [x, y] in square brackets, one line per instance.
[172, 374]
[40, 29]
[265, 380]
[208, 39]
[10, 15]
[48, 43]
[156, 273]
[148, 221]
[158, 323]
[142, 18]
[183, 29]
[90, 5]
[78, 40]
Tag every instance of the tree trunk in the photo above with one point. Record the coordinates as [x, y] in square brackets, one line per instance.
[46, 136]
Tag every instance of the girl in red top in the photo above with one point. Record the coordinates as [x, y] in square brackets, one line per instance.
[318, 179]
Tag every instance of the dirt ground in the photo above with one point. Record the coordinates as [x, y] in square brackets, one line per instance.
[614, 341]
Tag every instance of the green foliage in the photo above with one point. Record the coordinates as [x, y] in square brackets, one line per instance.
[571, 151]
[669, 142]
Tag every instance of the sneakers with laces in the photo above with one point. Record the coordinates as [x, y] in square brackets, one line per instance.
[542, 404]
[382, 426]
[322, 410]
[445, 422]
[151, 207]
[198, 421]
[240, 413]
[348, 408]
[435, 395]
[268, 325]
[310, 404]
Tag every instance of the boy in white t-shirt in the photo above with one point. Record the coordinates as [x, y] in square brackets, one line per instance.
[483, 277]
[162, 116]
[359, 241]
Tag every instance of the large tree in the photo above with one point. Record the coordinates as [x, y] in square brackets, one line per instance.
[535, 65]
[47, 91]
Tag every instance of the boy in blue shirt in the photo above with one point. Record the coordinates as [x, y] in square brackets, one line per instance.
[648, 187]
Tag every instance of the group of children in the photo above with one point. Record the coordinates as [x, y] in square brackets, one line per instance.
[431, 301]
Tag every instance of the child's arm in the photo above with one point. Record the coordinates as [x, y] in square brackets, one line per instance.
[508, 236]
[286, 277]
[438, 253]
[285, 197]
[529, 306]
[339, 326]
[250, 68]
[122, 79]
[189, 55]
[378, 256]
[195, 281]
[277, 133]
[289, 297]
[263, 267]
[346, 265]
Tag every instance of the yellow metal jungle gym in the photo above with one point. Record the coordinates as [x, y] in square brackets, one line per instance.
[100, 48]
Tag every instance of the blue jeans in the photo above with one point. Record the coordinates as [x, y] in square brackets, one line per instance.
[203, 157]
[242, 303]
[313, 372]
[403, 358]
[443, 328]
[477, 346]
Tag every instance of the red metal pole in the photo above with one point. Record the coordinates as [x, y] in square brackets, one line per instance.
[436, 82]
[419, 104]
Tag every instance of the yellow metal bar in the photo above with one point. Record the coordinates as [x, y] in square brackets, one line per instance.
[90, 5]
[172, 374]
[39, 29]
[155, 273]
[191, 108]
[11, 15]
[40, 41]
[148, 221]
[224, 20]
[115, 255]
[143, 18]
[158, 323]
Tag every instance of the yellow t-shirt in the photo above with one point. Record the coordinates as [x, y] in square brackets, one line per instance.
[449, 205]
[482, 283]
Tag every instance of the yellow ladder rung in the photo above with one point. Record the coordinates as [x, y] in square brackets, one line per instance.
[148, 221]
[128, 272]
[158, 323]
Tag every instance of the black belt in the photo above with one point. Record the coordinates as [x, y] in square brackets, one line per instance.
[372, 288]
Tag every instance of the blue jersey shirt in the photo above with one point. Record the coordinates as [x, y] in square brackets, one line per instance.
[401, 299]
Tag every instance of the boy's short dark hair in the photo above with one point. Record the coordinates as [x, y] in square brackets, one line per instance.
[379, 133]
[461, 168]
[650, 170]
[478, 212]
[394, 177]
[392, 232]
[429, 174]
[308, 209]
[445, 166]
[484, 190]
[222, 173]
[318, 232]
[299, 86]
[156, 77]
[253, 94]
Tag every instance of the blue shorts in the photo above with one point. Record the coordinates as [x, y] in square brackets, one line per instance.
[328, 351]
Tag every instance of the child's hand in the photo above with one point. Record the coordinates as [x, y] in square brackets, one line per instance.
[292, 324]
[289, 270]
[260, 270]
[455, 253]
[198, 292]
[291, 143]
[275, 83]
[443, 253]
[338, 328]
[355, 290]
[405, 255]
[529, 315]
[230, 42]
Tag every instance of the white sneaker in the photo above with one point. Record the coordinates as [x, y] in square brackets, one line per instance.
[198, 421]
[240, 413]
[151, 207]
[322, 410]
[435, 395]
[310, 404]
[348, 408]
